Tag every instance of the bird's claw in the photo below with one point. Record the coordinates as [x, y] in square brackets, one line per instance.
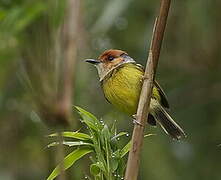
[144, 78]
[135, 121]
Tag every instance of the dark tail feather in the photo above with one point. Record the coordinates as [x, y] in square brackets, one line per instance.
[167, 123]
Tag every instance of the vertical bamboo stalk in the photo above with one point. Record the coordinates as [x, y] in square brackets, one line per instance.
[69, 48]
[69, 38]
[146, 92]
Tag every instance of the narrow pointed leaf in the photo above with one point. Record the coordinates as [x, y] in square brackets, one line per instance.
[148, 135]
[119, 135]
[114, 128]
[125, 149]
[70, 143]
[90, 119]
[75, 135]
[69, 160]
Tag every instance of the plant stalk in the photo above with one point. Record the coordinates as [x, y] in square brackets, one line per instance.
[146, 92]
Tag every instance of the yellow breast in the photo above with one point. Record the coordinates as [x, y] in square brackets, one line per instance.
[122, 88]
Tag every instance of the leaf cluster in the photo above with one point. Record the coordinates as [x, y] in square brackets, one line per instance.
[102, 142]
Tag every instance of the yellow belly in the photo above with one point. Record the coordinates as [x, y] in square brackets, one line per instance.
[122, 88]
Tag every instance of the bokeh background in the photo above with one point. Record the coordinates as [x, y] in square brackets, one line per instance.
[32, 55]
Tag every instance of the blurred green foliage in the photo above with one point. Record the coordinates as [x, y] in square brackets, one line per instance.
[189, 70]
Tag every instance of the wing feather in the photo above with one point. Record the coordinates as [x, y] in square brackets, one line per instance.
[164, 102]
[163, 97]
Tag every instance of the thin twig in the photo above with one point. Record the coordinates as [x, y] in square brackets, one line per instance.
[146, 92]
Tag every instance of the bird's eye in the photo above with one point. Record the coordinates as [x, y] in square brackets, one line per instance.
[110, 58]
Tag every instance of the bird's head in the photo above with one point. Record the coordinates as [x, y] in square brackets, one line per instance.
[109, 60]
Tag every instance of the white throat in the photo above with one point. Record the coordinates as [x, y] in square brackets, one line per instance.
[103, 72]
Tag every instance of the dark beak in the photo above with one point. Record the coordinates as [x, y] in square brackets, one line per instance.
[92, 61]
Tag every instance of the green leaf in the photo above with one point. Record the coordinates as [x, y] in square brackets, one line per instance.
[117, 153]
[88, 118]
[69, 160]
[95, 169]
[70, 143]
[75, 135]
[125, 149]
[105, 132]
[113, 164]
[101, 166]
[119, 135]
[114, 128]
[148, 135]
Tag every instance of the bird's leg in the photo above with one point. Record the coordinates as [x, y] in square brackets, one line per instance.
[135, 120]
[143, 78]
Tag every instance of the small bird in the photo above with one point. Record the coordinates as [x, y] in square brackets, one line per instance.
[121, 80]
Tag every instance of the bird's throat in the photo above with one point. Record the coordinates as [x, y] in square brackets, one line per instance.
[105, 74]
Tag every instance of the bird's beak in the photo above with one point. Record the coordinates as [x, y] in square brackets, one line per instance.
[92, 61]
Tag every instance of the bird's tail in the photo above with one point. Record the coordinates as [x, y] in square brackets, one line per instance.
[167, 123]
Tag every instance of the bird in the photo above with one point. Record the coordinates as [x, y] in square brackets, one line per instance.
[121, 80]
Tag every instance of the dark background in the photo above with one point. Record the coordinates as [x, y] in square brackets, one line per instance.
[189, 71]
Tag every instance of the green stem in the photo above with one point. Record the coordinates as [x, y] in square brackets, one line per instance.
[109, 173]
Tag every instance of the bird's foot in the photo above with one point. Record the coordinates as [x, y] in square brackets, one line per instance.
[144, 78]
[135, 121]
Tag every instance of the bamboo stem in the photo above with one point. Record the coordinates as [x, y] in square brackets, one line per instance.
[64, 104]
[70, 31]
[146, 92]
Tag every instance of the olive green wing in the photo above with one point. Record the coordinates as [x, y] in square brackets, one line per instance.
[163, 97]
